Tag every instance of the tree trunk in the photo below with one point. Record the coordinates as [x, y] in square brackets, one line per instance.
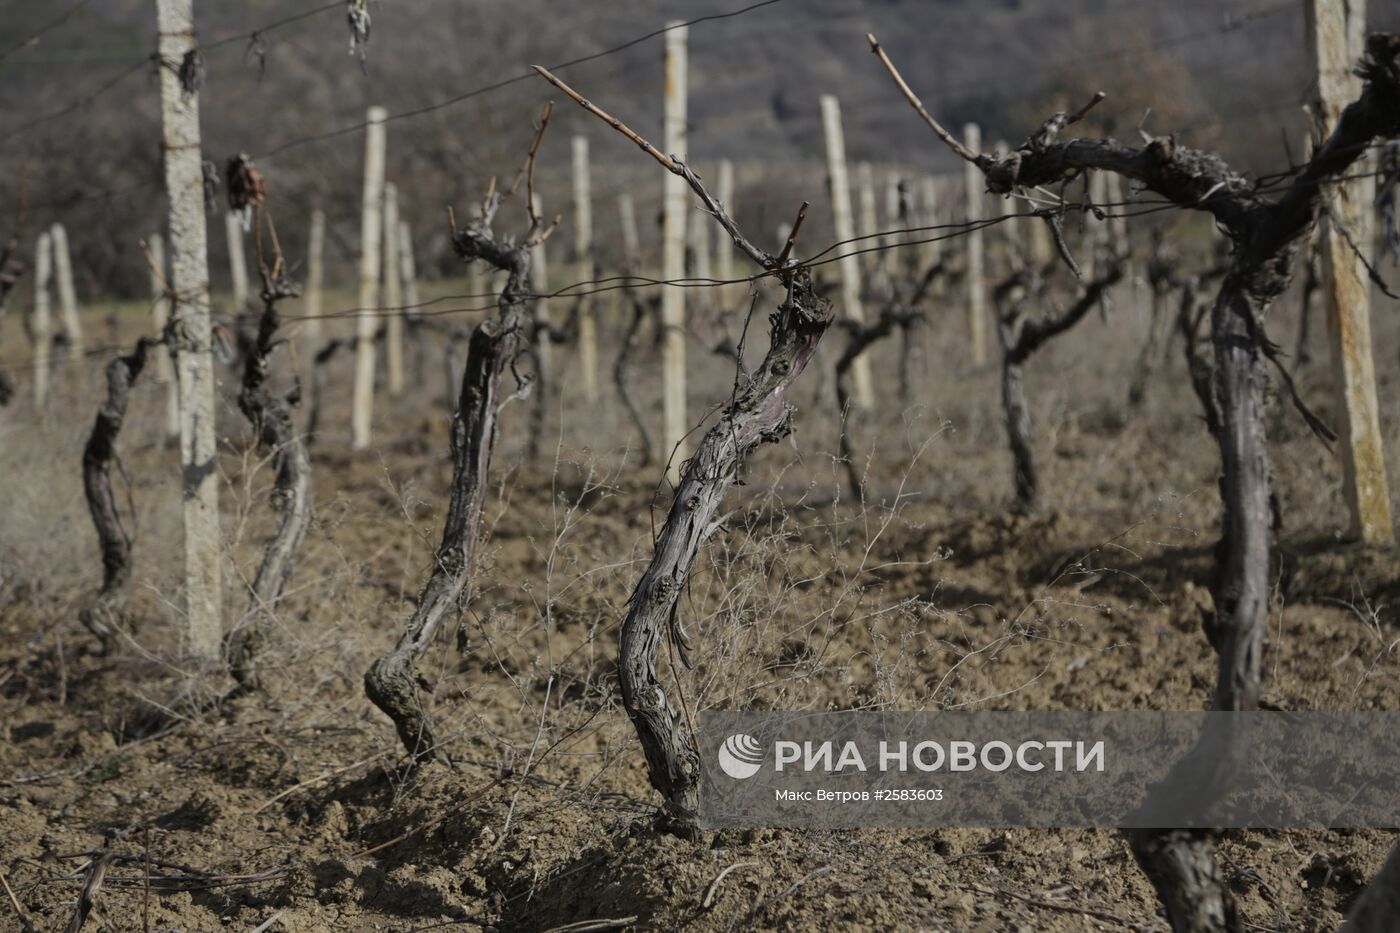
[271, 418]
[1241, 587]
[1377, 910]
[392, 683]
[759, 413]
[1181, 867]
[1018, 431]
[104, 616]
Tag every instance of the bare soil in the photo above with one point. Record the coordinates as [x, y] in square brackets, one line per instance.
[922, 593]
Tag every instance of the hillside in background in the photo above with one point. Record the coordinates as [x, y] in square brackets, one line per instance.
[81, 135]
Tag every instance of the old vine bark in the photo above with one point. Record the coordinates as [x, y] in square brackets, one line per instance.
[758, 411]
[104, 616]
[1020, 338]
[393, 683]
[1266, 232]
[271, 417]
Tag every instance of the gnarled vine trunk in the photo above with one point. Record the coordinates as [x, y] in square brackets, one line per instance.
[393, 682]
[271, 418]
[1266, 233]
[104, 616]
[759, 412]
[1020, 339]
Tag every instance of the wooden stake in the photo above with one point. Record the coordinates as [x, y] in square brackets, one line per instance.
[700, 243]
[864, 395]
[193, 343]
[408, 267]
[315, 281]
[1335, 28]
[41, 324]
[893, 220]
[869, 223]
[67, 294]
[724, 246]
[1038, 245]
[160, 314]
[1005, 233]
[584, 269]
[976, 261]
[237, 261]
[674, 214]
[371, 248]
[391, 298]
[1100, 233]
[627, 217]
[544, 344]
[929, 217]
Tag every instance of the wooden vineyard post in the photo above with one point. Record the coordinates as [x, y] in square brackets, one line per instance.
[700, 244]
[42, 324]
[928, 217]
[976, 258]
[160, 314]
[892, 183]
[391, 304]
[237, 261]
[371, 228]
[674, 210]
[724, 248]
[1334, 29]
[408, 266]
[1038, 246]
[1005, 233]
[627, 219]
[67, 294]
[1098, 230]
[1118, 235]
[315, 281]
[544, 343]
[867, 221]
[584, 269]
[193, 345]
[863, 395]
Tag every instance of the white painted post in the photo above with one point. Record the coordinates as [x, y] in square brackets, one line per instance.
[701, 245]
[237, 260]
[408, 266]
[194, 359]
[929, 217]
[631, 245]
[391, 296]
[160, 315]
[976, 259]
[40, 323]
[539, 283]
[863, 394]
[1335, 30]
[371, 249]
[1099, 231]
[315, 281]
[865, 187]
[584, 268]
[1038, 244]
[67, 294]
[893, 221]
[675, 209]
[724, 247]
